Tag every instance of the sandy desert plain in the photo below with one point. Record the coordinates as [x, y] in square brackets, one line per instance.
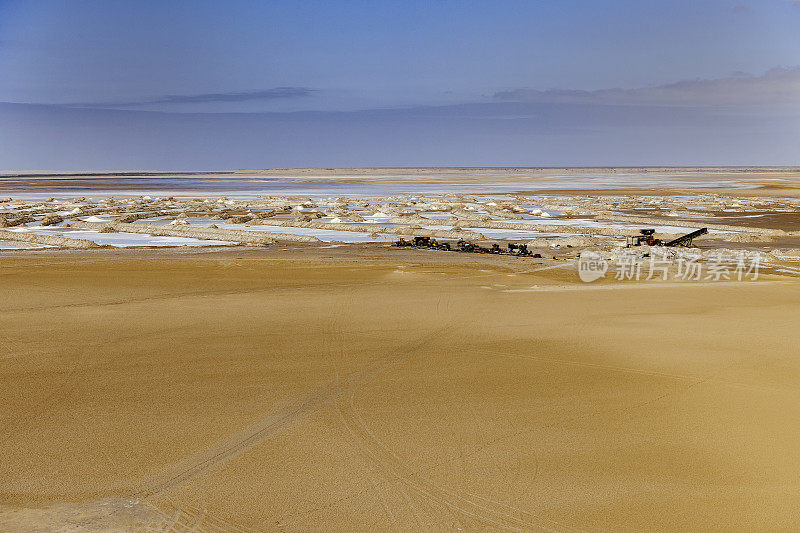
[247, 352]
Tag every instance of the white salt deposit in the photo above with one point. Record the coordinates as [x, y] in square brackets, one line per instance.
[122, 240]
[11, 245]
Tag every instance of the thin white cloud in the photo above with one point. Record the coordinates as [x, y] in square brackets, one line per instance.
[266, 94]
[776, 86]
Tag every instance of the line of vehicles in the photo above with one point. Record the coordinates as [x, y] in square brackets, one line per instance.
[646, 237]
[429, 243]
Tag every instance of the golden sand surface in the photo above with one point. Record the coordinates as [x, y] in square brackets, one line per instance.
[367, 389]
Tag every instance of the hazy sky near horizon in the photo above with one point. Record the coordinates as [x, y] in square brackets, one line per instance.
[507, 81]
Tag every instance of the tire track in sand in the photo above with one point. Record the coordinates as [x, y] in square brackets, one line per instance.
[185, 470]
[465, 506]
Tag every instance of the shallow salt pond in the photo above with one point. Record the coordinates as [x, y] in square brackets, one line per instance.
[504, 234]
[14, 245]
[120, 240]
[325, 235]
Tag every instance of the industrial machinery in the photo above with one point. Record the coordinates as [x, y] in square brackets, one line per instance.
[428, 243]
[686, 240]
[518, 249]
[647, 237]
[464, 246]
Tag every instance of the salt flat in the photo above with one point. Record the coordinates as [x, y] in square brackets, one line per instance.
[376, 205]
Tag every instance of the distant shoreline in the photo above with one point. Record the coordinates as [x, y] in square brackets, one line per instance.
[397, 171]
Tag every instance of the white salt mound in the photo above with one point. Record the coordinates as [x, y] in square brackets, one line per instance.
[747, 237]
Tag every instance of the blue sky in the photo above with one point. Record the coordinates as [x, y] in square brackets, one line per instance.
[493, 76]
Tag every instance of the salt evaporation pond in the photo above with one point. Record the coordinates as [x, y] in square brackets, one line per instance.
[121, 240]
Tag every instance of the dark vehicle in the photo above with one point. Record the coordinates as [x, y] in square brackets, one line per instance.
[646, 237]
[464, 246]
[518, 249]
